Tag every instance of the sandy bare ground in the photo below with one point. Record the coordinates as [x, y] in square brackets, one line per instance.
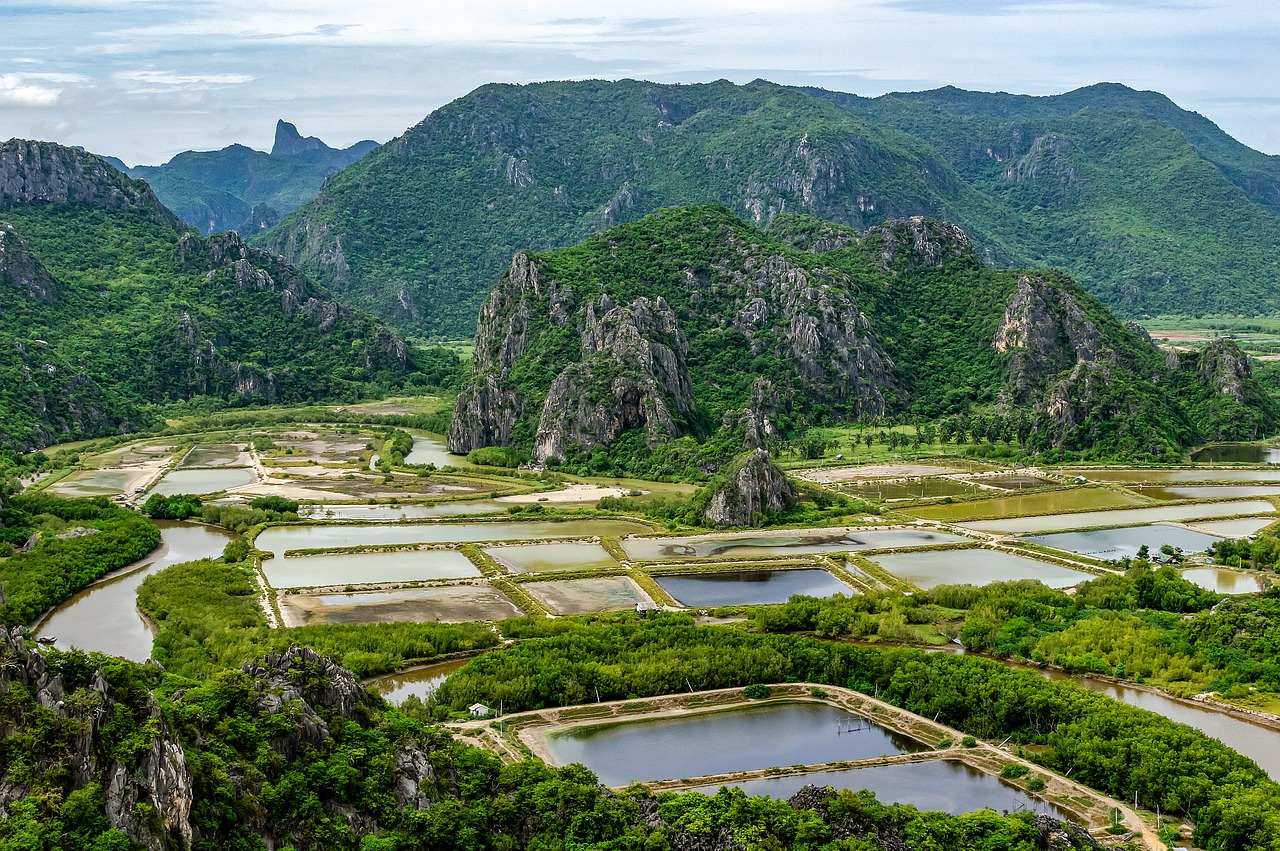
[571, 493]
[475, 601]
[833, 475]
[290, 491]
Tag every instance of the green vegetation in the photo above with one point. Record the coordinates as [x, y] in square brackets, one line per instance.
[80, 540]
[1109, 746]
[1153, 208]
[238, 188]
[117, 308]
[210, 618]
[181, 506]
[322, 774]
[930, 313]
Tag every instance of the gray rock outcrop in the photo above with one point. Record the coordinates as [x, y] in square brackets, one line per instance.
[916, 241]
[21, 270]
[1044, 331]
[753, 487]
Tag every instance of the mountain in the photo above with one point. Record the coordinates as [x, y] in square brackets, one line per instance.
[1152, 208]
[238, 188]
[111, 303]
[639, 343]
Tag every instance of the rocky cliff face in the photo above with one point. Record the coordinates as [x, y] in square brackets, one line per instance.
[45, 173]
[909, 243]
[752, 487]
[148, 790]
[568, 362]
[1043, 332]
[148, 797]
[1225, 370]
[22, 271]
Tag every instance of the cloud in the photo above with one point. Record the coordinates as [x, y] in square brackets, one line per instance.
[16, 91]
[159, 81]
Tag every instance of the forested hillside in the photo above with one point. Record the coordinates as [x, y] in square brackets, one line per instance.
[238, 188]
[111, 304]
[1151, 208]
[658, 333]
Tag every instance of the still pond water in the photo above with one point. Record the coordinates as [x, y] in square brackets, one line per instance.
[740, 739]
[1031, 525]
[976, 567]
[941, 785]
[1126, 541]
[750, 587]
[795, 542]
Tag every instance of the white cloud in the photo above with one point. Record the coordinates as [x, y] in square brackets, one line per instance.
[159, 81]
[16, 91]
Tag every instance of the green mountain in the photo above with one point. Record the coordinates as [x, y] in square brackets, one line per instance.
[1152, 208]
[641, 342]
[111, 304]
[238, 188]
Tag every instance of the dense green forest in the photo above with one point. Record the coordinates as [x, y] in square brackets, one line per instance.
[1109, 746]
[1152, 208]
[112, 306]
[78, 541]
[624, 353]
[330, 766]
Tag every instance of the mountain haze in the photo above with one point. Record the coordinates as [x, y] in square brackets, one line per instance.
[238, 188]
[1152, 208]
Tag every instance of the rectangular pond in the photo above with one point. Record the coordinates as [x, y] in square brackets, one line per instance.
[214, 455]
[1205, 491]
[1016, 482]
[788, 542]
[553, 558]
[1083, 520]
[741, 739]
[976, 567]
[203, 481]
[941, 785]
[366, 568]
[1223, 581]
[1126, 541]
[587, 596]
[1238, 527]
[1237, 453]
[920, 489]
[90, 483]
[1050, 502]
[446, 604]
[279, 539]
[398, 512]
[1206, 474]
[750, 587]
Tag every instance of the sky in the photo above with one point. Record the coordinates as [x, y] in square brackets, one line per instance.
[146, 79]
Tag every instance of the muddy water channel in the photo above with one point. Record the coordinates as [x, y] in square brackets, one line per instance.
[1259, 743]
[782, 543]
[418, 682]
[939, 785]
[105, 616]
[738, 739]
[1223, 581]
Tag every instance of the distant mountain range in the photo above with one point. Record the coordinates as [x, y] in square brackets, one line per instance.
[238, 188]
[111, 304]
[1152, 208]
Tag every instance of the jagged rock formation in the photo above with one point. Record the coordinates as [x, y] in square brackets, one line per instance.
[569, 363]
[45, 173]
[658, 329]
[753, 487]
[1043, 332]
[22, 271]
[149, 796]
